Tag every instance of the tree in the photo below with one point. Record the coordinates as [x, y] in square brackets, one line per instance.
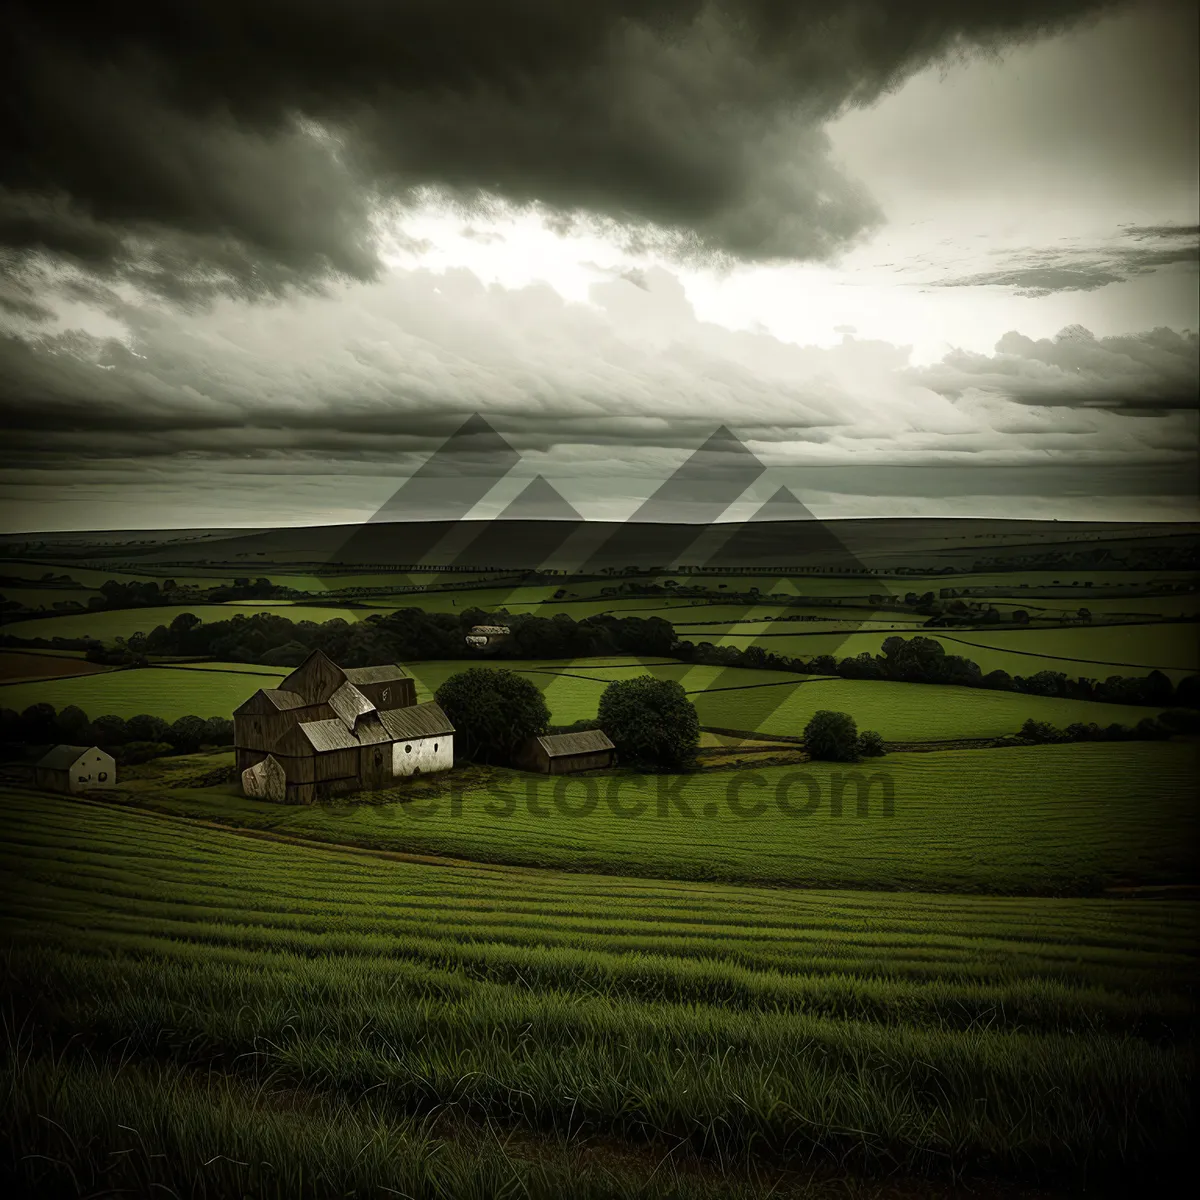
[37, 724]
[72, 725]
[109, 730]
[186, 734]
[870, 744]
[651, 722]
[493, 712]
[832, 736]
[218, 731]
[145, 728]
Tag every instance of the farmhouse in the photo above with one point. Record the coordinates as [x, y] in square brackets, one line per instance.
[75, 769]
[562, 753]
[327, 729]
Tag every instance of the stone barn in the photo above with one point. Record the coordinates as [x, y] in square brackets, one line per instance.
[75, 769]
[563, 753]
[327, 729]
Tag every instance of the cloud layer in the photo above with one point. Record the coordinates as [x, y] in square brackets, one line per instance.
[247, 145]
[386, 371]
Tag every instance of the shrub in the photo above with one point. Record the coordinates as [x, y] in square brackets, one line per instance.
[870, 744]
[832, 736]
[651, 722]
[493, 712]
[186, 734]
[109, 731]
[145, 728]
[140, 752]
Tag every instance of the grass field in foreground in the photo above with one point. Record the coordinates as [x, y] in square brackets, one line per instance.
[1041, 819]
[329, 1003]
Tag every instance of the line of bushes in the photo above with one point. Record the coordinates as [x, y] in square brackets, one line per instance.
[135, 740]
[924, 660]
[1165, 725]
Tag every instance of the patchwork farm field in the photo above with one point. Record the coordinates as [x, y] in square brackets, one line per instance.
[772, 702]
[1043, 819]
[1094, 651]
[224, 1016]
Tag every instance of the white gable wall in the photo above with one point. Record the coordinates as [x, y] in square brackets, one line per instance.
[424, 754]
[92, 770]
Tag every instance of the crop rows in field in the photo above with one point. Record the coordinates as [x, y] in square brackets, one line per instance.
[899, 1030]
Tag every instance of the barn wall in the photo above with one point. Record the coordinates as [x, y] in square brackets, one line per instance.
[566, 764]
[84, 775]
[336, 764]
[51, 781]
[375, 766]
[426, 754]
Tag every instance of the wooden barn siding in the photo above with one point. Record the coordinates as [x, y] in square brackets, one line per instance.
[316, 680]
[54, 781]
[256, 731]
[569, 763]
[373, 773]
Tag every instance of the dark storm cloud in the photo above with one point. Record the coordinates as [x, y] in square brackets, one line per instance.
[176, 142]
[1041, 272]
[1131, 373]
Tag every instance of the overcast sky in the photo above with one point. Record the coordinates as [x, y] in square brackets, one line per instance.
[262, 257]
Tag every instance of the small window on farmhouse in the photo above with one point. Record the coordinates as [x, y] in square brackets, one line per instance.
[387, 694]
[378, 757]
[435, 747]
[103, 776]
[82, 779]
[407, 749]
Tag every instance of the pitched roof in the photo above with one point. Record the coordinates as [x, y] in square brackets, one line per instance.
[369, 730]
[326, 735]
[416, 721]
[383, 674]
[588, 741]
[350, 704]
[62, 758]
[283, 699]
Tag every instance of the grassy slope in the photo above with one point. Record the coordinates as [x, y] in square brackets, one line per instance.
[905, 1031]
[1034, 819]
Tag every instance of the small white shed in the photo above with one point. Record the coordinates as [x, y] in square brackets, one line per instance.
[75, 769]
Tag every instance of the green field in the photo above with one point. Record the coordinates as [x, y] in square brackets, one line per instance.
[767, 702]
[1043, 819]
[294, 1022]
[124, 622]
[1091, 651]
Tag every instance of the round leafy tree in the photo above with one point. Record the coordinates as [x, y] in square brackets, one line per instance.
[870, 744]
[493, 712]
[832, 736]
[651, 722]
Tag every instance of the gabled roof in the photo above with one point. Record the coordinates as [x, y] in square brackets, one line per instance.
[416, 721]
[63, 758]
[350, 704]
[383, 674]
[588, 741]
[369, 730]
[327, 735]
[266, 699]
